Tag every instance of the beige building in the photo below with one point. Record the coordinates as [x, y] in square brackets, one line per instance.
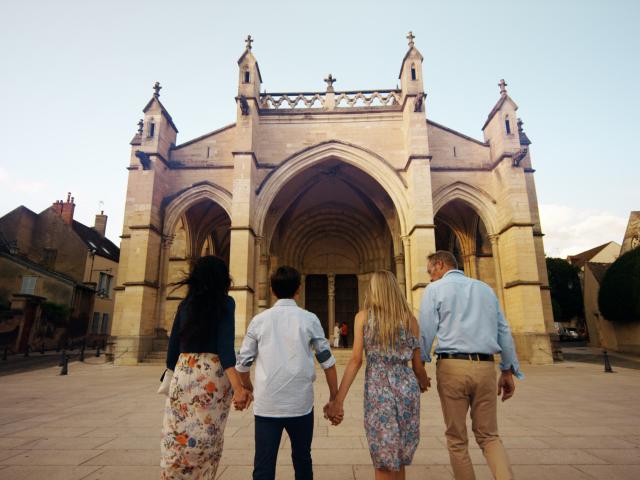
[337, 184]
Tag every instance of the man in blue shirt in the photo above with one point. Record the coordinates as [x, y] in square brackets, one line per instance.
[465, 316]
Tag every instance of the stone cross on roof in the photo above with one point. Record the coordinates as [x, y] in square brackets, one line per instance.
[330, 81]
[156, 89]
[249, 41]
[503, 87]
[411, 37]
[140, 126]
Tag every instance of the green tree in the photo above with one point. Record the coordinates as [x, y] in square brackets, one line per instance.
[619, 297]
[566, 292]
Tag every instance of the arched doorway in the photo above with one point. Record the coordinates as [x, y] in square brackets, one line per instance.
[460, 230]
[203, 228]
[336, 225]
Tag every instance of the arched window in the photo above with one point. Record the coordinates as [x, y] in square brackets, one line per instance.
[413, 71]
[507, 125]
[247, 77]
[152, 128]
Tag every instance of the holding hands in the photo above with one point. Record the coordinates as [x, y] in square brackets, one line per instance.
[334, 412]
[243, 396]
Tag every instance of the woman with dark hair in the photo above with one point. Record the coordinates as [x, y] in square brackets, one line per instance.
[205, 382]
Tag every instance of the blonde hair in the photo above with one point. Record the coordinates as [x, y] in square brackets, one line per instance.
[389, 307]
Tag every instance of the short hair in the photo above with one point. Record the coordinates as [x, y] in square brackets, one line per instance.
[285, 282]
[443, 256]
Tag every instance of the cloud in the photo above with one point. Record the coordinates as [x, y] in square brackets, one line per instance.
[571, 230]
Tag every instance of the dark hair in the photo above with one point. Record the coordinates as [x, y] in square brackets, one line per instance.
[285, 281]
[443, 256]
[205, 304]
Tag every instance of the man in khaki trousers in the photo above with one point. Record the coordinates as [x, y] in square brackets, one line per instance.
[465, 316]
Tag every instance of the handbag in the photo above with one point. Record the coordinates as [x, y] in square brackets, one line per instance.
[165, 382]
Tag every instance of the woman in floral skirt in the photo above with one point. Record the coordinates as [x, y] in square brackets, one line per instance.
[205, 382]
[388, 332]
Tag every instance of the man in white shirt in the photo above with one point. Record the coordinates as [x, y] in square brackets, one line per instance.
[281, 342]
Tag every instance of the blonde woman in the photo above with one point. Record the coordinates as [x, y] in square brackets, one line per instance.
[388, 333]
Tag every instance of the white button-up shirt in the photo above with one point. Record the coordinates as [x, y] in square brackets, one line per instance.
[280, 341]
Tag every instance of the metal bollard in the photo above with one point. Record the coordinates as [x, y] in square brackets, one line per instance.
[26, 352]
[98, 351]
[82, 353]
[65, 366]
[607, 363]
[62, 357]
[5, 353]
[42, 349]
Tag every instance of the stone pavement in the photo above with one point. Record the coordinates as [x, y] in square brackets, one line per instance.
[567, 421]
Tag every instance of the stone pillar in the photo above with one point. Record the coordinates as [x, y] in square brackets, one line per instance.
[263, 283]
[399, 260]
[331, 277]
[161, 300]
[496, 260]
[303, 285]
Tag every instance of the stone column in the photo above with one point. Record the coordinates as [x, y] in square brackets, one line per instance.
[331, 277]
[399, 259]
[496, 260]
[263, 283]
[303, 285]
[161, 300]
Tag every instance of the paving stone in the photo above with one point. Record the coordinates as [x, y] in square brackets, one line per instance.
[49, 472]
[125, 473]
[627, 456]
[51, 457]
[126, 458]
[618, 472]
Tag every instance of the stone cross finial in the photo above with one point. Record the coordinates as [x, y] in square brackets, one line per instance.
[520, 123]
[156, 89]
[140, 126]
[330, 81]
[503, 87]
[249, 41]
[411, 37]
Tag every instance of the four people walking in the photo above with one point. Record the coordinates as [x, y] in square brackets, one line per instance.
[462, 313]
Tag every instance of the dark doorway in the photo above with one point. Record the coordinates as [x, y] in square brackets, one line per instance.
[316, 299]
[346, 301]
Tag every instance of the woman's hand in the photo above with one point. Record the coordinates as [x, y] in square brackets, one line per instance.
[242, 398]
[334, 411]
[425, 384]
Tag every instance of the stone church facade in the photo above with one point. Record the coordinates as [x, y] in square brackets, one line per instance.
[337, 184]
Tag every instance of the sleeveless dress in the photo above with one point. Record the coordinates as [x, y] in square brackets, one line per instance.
[391, 401]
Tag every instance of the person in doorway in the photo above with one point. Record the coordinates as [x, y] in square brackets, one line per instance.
[202, 357]
[465, 316]
[281, 341]
[336, 336]
[388, 333]
[344, 335]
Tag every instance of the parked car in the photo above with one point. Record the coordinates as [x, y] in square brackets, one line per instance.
[568, 334]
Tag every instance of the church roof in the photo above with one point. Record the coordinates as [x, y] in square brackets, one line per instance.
[581, 259]
[101, 245]
[206, 135]
[163, 110]
[497, 107]
[454, 132]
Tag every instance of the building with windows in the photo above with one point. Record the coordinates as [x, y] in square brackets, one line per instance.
[49, 258]
[337, 184]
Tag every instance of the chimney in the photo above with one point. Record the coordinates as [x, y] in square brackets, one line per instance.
[100, 225]
[65, 209]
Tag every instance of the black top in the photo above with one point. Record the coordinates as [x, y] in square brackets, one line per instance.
[220, 342]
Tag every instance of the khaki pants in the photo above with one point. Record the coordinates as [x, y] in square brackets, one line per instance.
[464, 385]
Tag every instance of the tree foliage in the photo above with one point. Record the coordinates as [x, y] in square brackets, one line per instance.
[619, 297]
[566, 292]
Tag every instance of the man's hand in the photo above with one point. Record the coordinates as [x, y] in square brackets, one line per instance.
[242, 399]
[506, 385]
[334, 412]
[425, 385]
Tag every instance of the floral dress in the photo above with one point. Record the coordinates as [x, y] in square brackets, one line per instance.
[391, 401]
[195, 416]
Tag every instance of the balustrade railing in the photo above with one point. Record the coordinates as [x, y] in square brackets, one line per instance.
[382, 99]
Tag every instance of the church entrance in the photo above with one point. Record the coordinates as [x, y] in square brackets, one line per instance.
[336, 225]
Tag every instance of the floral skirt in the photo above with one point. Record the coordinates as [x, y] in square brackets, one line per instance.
[194, 418]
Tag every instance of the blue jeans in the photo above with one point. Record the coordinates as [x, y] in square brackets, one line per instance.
[268, 435]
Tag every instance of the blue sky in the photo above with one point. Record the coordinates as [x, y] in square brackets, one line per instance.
[76, 74]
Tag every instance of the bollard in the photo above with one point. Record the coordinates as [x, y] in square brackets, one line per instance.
[5, 353]
[42, 349]
[607, 363]
[26, 352]
[62, 357]
[98, 351]
[82, 353]
[65, 365]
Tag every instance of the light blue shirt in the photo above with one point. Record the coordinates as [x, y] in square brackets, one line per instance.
[282, 341]
[465, 315]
